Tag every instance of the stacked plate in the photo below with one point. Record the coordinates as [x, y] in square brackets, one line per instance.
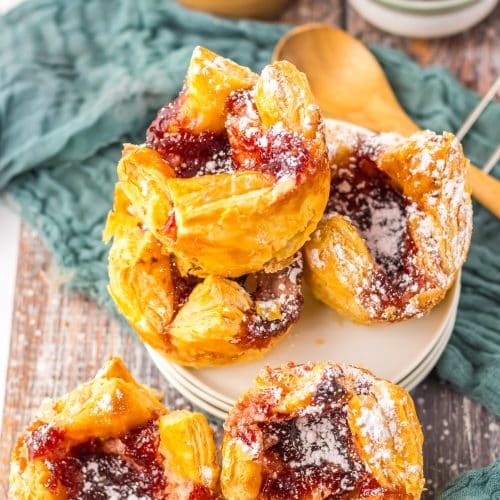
[403, 353]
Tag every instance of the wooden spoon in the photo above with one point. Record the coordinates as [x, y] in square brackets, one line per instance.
[350, 85]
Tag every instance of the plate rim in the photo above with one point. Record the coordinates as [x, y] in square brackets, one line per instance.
[188, 375]
[212, 407]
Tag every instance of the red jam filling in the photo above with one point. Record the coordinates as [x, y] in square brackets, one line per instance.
[245, 146]
[379, 211]
[43, 440]
[278, 291]
[275, 151]
[188, 154]
[200, 492]
[116, 468]
[312, 453]
[183, 285]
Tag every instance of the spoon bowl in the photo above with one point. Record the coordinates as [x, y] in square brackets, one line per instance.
[350, 85]
[345, 78]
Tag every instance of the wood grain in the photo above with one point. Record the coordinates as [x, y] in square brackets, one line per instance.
[60, 339]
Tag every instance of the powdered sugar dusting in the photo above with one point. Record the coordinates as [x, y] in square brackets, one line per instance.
[278, 302]
[316, 259]
[109, 477]
[309, 449]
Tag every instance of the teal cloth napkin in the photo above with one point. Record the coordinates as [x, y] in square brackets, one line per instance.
[79, 77]
[481, 484]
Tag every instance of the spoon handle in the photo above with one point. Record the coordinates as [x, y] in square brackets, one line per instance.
[486, 189]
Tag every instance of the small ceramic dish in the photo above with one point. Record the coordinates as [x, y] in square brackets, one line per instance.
[424, 18]
[426, 6]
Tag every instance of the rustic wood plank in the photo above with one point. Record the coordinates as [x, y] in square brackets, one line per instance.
[315, 11]
[460, 434]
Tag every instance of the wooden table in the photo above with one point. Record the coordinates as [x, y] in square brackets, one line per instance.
[60, 338]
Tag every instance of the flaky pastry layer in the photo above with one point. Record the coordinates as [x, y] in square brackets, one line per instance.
[87, 437]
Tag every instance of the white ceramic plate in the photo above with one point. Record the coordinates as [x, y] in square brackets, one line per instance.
[408, 382]
[218, 408]
[393, 352]
[430, 362]
[178, 381]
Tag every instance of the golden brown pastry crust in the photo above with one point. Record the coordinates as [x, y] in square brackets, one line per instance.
[190, 320]
[103, 417]
[319, 429]
[251, 171]
[430, 173]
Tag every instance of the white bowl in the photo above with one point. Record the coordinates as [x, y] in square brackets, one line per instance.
[422, 24]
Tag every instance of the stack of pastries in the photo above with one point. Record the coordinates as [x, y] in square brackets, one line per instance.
[238, 191]
[240, 187]
[211, 213]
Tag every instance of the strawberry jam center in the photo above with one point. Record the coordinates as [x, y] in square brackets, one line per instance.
[365, 196]
[311, 453]
[245, 145]
[274, 151]
[314, 452]
[126, 467]
[189, 154]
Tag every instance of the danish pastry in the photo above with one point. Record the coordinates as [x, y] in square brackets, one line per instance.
[247, 178]
[322, 430]
[191, 320]
[397, 226]
[112, 438]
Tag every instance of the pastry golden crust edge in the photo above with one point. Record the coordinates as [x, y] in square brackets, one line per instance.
[289, 390]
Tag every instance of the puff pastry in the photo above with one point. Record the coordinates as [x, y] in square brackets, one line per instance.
[191, 320]
[397, 226]
[247, 178]
[112, 438]
[322, 430]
